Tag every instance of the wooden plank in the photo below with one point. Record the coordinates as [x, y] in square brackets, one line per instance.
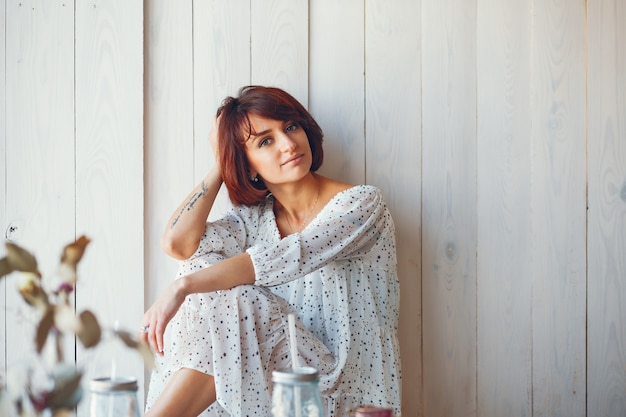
[606, 382]
[558, 207]
[279, 45]
[3, 217]
[221, 65]
[40, 139]
[393, 161]
[168, 128]
[449, 210]
[337, 86]
[109, 178]
[504, 285]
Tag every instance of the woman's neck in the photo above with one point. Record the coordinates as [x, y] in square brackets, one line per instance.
[297, 203]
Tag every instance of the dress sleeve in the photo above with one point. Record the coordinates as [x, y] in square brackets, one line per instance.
[349, 226]
[227, 236]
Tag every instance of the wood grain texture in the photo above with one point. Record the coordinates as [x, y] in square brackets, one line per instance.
[109, 176]
[337, 91]
[606, 379]
[449, 207]
[169, 137]
[470, 116]
[221, 65]
[40, 142]
[504, 284]
[393, 162]
[168, 132]
[3, 203]
[558, 208]
[279, 45]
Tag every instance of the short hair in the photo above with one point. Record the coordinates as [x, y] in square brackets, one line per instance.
[235, 129]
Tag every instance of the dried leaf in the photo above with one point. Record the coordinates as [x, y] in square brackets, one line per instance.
[30, 288]
[43, 329]
[67, 391]
[20, 259]
[90, 332]
[5, 268]
[73, 253]
[139, 345]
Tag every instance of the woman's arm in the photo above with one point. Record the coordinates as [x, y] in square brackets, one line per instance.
[187, 224]
[237, 270]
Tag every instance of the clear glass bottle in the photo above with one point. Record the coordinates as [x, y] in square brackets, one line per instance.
[113, 397]
[296, 393]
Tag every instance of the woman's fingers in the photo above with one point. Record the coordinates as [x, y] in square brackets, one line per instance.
[158, 317]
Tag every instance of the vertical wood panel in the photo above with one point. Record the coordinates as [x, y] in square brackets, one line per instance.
[504, 290]
[337, 95]
[40, 142]
[279, 45]
[393, 161]
[449, 207]
[558, 208]
[168, 125]
[221, 65]
[606, 338]
[109, 176]
[3, 218]
[168, 131]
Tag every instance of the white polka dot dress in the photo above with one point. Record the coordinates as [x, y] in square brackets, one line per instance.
[338, 275]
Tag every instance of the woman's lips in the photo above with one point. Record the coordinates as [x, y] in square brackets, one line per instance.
[293, 159]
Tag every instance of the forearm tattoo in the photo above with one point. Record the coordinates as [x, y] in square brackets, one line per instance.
[192, 201]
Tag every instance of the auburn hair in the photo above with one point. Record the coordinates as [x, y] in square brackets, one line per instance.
[235, 129]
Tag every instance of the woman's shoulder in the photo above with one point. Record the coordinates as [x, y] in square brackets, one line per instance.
[342, 193]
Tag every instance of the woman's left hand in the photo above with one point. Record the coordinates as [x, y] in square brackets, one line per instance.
[159, 315]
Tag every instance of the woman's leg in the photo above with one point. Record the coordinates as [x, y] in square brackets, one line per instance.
[187, 394]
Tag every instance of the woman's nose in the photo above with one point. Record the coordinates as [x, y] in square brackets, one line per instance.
[287, 144]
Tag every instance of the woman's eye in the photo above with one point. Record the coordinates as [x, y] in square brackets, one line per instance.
[264, 142]
[292, 127]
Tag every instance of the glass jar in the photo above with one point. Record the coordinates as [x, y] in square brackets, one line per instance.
[296, 393]
[113, 397]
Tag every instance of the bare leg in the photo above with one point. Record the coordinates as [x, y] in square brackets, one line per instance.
[187, 394]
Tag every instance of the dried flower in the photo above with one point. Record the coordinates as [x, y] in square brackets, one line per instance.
[32, 292]
[58, 317]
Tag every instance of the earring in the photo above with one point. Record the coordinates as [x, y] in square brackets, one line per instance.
[254, 179]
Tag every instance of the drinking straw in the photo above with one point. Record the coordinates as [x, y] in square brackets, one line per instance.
[292, 342]
[294, 360]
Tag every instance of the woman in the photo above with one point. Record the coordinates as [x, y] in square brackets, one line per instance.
[294, 242]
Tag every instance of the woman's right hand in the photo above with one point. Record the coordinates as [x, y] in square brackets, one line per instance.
[158, 316]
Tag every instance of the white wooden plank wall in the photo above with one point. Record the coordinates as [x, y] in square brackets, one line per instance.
[73, 79]
[606, 245]
[449, 207]
[495, 129]
[3, 102]
[39, 164]
[503, 299]
[109, 175]
[558, 206]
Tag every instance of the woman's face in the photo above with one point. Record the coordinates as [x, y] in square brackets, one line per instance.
[279, 152]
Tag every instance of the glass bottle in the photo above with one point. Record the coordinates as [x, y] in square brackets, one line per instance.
[113, 397]
[296, 393]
